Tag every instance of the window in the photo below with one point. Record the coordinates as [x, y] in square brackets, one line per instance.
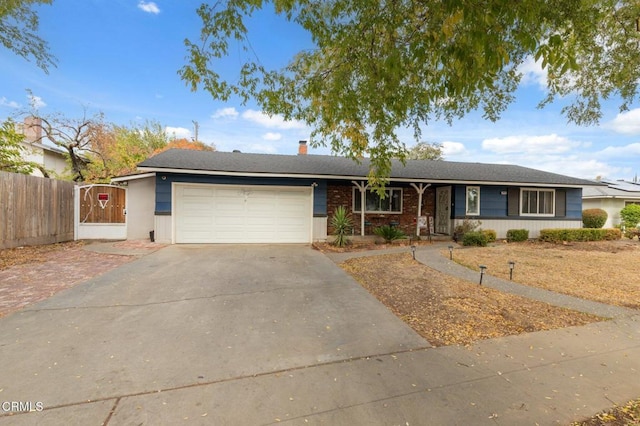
[391, 203]
[473, 201]
[538, 202]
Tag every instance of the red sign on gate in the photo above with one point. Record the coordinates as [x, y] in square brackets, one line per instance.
[103, 199]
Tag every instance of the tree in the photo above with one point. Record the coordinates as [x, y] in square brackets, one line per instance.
[185, 144]
[74, 136]
[425, 151]
[117, 150]
[630, 215]
[11, 150]
[378, 66]
[18, 31]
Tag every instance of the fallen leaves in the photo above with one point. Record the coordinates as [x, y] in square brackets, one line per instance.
[446, 310]
[625, 415]
[32, 254]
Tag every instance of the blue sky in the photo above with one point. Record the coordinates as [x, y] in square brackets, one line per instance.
[121, 57]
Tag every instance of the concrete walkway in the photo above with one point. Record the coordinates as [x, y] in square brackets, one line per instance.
[258, 336]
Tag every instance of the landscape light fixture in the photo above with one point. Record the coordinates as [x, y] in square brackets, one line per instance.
[512, 265]
[450, 252]
[482, 269]
[413, 251]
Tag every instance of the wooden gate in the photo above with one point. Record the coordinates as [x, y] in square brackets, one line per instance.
[101, 212]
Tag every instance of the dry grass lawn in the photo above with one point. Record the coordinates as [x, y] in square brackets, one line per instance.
[446, 310]
[606, 272]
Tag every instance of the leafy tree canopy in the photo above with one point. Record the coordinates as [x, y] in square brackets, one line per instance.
[18, 31]
[183, 143]
[11, 150]
[117, 150]
[381, 65]
[425, 151]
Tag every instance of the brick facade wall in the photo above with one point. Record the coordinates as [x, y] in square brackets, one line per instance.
[342, 195]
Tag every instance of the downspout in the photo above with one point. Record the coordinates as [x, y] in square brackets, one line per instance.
[362, 186]
[420, 190]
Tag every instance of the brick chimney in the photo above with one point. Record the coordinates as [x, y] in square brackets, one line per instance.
[302, 148]
[32, 129]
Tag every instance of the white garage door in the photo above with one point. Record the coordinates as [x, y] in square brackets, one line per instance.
[242, 214]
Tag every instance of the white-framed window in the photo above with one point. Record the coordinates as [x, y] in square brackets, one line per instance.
[473, 201]
[391, 203]
[537, 202]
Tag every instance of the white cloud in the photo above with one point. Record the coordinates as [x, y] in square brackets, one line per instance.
[533, 73]
[36, 101]
[627, 122]
[273, 122]
[545, 144]
[625, 151]
[577, 166]
[149, 7]
[225, 113]
[11, 104]
[178, 132]
[452, 148]
[270, 136]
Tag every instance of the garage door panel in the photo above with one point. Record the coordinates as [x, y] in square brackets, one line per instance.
[235, 221]
[194, 192]
[241, 214]
[228, 209]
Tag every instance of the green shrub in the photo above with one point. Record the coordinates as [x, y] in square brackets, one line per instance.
[515, 235]
[594, 218]
[475, 238]
[490, 234]
[342, 225]
[389, 233]
[467, 225]
[579, 234]
[630, 215]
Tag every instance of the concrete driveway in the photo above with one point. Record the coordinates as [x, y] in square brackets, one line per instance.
[257, 335]
[185, 333]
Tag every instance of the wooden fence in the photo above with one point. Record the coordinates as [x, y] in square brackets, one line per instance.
[34, 210]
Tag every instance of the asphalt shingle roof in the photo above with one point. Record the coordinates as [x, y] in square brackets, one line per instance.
[325, 165]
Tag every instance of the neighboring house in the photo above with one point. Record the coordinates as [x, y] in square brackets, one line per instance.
[611, 197]
[231, 197]
[51, 161]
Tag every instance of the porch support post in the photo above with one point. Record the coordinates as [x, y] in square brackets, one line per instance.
[362, 187]
[420, 190]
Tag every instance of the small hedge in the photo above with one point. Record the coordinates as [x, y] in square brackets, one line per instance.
[491, 235]
[475, 238]
[594, 218]
[516, 235]
[579, 234]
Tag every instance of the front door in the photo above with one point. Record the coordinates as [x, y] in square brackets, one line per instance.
[443, 210]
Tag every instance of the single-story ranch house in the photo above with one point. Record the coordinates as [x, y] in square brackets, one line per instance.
[611, 197]
[188, 196]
